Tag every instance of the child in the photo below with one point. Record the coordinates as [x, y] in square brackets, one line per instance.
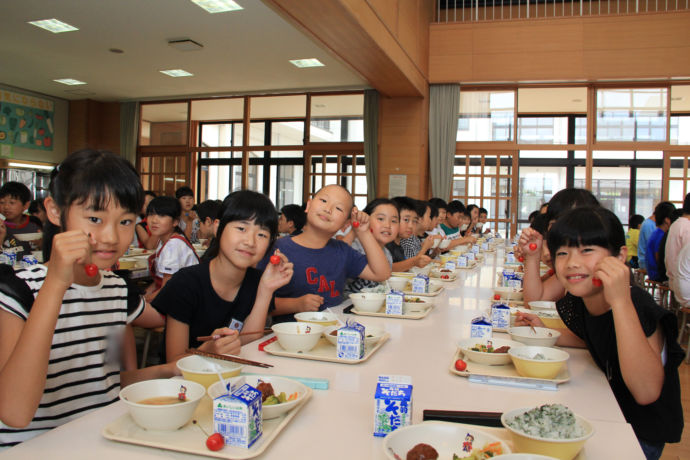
[208, 213]
[473, 211]
[60, 327]
[38, 212]
[15, 198]
[291, 220]
[143, 237]
[226, 295]
[322, 263]
[456, 224]
[630, 337]
[174, 250]
[189, 222]
[631, 238]
[441, 205]
[662, 217]
[384, 222]
[483, 217]
[407, 251]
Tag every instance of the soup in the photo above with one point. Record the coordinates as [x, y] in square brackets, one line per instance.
[160, 400]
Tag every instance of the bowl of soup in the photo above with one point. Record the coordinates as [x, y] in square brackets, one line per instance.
[205, 370]
[324, 318]
[298, 337]
[162, 404]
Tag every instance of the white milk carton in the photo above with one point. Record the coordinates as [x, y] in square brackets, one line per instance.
[485, 246]
[394, 302]
[392, 403]
[350, 341]
[420, 284]
[500, 316]
[237, 416]
[475, 248]
[450, 265]
[510, 257]
[461, 261]
[480, 328]
[470, 256]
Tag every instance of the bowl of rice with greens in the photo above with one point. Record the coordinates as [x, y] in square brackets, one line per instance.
[550, 429]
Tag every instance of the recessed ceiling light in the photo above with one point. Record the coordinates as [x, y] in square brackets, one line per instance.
[53, 25]
[177, 73]
[70, 81]
[218, 6]
[302, 63]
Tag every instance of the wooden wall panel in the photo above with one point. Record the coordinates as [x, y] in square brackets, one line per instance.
[630, 47]
[94, 124]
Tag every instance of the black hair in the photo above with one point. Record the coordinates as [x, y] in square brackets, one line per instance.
[164, 206]
[467, 212]
[405, 203]
[663, 211]
[686, 204]
[470, 207]
[569, 198]
[532, 215]
[439, 203]
[184, 191]
[676, 214]
[540, 223]
[587, 226]
[295, 214]
[245, 205]
[375, 203]
[421, 208]
[483, 211]
[16, 190]
[635, 221]
[94, 177]
[36, 206]
[455, 206]
[433, 210]
[150, 193]
[209, 208]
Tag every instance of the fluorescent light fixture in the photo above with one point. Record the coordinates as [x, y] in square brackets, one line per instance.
[53, 25]
[177, 73]
[302, 63]
[12, 164]
[218, 6]
[70, 81]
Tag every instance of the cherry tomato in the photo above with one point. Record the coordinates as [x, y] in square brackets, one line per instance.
[532, 246]
[521, 259]
[355, 224]
[215, 442]
[445, 277]
[596, 282]
[91, 269]
[275, 259]
[497, 296]
[460, 365]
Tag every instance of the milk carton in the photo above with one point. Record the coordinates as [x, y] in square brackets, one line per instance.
[394, 302]
[485, 246]
[350, 341]
[450, 265]
[475, 248]
[470, 256]
[237, 416]
[420, 284]
[392, 403]
[500, 316]
[510, 257]
[480, 328]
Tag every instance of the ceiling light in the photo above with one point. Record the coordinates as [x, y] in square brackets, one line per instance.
[177, 73]
[70, 81]
[53, 25]
[302, 63]
[13, 164]
[218, 6]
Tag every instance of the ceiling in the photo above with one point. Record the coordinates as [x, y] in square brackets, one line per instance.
[243, 51]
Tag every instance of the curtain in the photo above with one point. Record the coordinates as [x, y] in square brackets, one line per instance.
[444, 105]
[129, 128]
[371, 135]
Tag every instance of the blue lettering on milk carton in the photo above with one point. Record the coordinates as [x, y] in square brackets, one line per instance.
[450, 265]
[480, 328]
[470, 256]
[461, 261]
[510, 257]
[350, 341]
[394, 303]
[500, 316]
[237, 416]
[475, 248]
[392, 403]
[420, 284]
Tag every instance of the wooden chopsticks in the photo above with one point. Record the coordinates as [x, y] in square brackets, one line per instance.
[206, 338]
[233, 358]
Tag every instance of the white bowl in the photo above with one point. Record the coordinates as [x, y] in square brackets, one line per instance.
[298, 337]
[526, 365]
[201, 369]
[289, 386]
[418, 307]
[135, 251]
[372, 334]
[162, 417]
[398, 282]
[368, 301]
[508, 293]
[444, 243]
[126, 263]
[445, 437]
[424, 270]
[542, 305]
[28, 236]
[491, 359]
[541, 337]
[324, 318]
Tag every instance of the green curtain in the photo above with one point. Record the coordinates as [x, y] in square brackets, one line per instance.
[444, 105]
[129, 128]
[371, 135]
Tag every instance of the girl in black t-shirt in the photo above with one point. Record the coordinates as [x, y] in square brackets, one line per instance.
[630, 337]
[226, 295]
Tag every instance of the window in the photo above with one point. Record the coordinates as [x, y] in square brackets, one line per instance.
[164, 124]
[163, 174]
[537, 185]
[486, 116]
[337, 118]
[344, 168]
[631, 114]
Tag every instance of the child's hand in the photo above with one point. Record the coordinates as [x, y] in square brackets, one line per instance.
[615, 279]
[277, 275]
[530, 243]
[427, 244]
[310, 302]
[229, 342]
[69, 248]
[360, 221]
[528, 319]
[423, 260]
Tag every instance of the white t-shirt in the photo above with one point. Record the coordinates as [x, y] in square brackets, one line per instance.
[678, 237]
[176, 254]
[681, 284]
[84, 366]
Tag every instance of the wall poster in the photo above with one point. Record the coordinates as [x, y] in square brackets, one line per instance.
[25, 121]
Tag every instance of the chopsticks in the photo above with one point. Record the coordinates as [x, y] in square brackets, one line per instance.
[232, 358]
[206, 338]
[468, 417]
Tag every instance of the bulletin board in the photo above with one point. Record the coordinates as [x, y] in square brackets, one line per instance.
[25, 121]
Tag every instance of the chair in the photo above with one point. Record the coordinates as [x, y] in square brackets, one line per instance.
[639, 275]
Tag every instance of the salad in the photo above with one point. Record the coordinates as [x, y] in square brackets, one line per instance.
[552, 421]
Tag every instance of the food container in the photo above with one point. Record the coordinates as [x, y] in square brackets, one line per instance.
[415, 305]
[324, 318]
[508, 293]
[541, 337]
[298, 337]
[527, 365]
[398, 283]
[368, 301]
[372, 334]
[551, 319]
[126, 263]
[542, 305]
[28, 236]
[165, 416]
[491, 359]
[201, 369]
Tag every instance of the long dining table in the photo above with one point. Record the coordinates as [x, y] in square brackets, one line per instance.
[337, 423]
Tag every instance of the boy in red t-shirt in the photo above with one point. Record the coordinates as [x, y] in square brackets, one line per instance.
[15, 198]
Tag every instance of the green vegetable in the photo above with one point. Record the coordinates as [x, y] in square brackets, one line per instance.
[271, 401]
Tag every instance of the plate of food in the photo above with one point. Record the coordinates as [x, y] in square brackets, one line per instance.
[493, 353]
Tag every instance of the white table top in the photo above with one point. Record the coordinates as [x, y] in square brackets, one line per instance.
[339, 420]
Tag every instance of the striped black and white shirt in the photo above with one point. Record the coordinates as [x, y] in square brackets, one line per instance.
[84, 367]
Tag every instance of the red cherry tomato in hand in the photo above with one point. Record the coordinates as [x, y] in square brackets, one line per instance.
[460, 365]
[215, 442]
[521, 259]
[275, 259]
[497, 296]
[532, 246]
[91, 269]
[596, 282]
[355, 224]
